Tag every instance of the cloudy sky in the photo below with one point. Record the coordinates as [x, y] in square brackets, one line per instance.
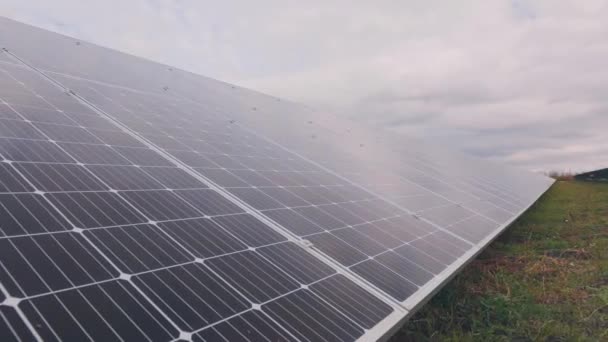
[519, 81]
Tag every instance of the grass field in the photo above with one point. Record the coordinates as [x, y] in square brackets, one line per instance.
[544, 279]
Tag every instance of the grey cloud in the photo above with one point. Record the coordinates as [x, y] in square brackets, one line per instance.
[517, 81]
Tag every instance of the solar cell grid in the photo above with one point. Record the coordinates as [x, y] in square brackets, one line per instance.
[254, 276]
[60, 177]
[173, 178]
[45, 263]
[94, 154]
[125, 177]
[377, 234]
[138, 248]
[387, 280]
[11, 181]
[249, 229]
[31, 105]
[92, 121]
[202, 237]
[250, 326]
[80, 277]
[209, 202]
[256, 198]
[421, 258]
[6, 112]
[473, 228]
[33, 151]
[317, 195]
[359, 305]
[284, 196]
[69, 134]
[11, 322]
[176, 207]
[141, 156]
[433, 188]
[107, 311]
[24, 102]
[191, 295]
[18, 129]
[28, 213]
[95, 209]
[310, 318]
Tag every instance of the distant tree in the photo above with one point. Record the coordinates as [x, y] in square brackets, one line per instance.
[561, 175]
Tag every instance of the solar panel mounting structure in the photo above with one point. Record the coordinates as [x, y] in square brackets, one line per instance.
[143, 202]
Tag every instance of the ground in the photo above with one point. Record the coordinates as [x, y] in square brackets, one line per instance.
[544, 279]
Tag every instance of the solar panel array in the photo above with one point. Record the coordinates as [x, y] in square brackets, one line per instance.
[142, 202]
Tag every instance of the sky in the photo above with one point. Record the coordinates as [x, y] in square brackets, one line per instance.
[523, 82]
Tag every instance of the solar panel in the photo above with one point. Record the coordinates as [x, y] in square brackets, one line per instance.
[139, 201]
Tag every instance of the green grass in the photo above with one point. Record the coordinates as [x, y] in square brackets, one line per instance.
[544, 279]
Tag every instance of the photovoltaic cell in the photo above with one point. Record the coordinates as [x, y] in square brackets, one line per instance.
[32, 151]
[124, 177]
[300, 265]
[191, 295]
[250, 326]
[310, 318]
[94, 154]
[249, 229]
[11, 322]
[10, 181]
[95, 209]
[387, 280]
[420, 258]
[255, 277]
[7, 112]
[18, 129]
[202, 237]
[209, 202]
[28, 213]
[161, 205]
[173, 178]
[294, 222]
[141, 156]
[60, 177]
[256, 198]
[141, 202]
[359, 305]
[50, 262]
[105, 312]
[138, 248]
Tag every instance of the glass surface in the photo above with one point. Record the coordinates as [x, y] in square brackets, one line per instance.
[191, 187]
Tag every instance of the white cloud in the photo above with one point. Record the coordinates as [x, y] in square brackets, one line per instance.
[520, 81]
